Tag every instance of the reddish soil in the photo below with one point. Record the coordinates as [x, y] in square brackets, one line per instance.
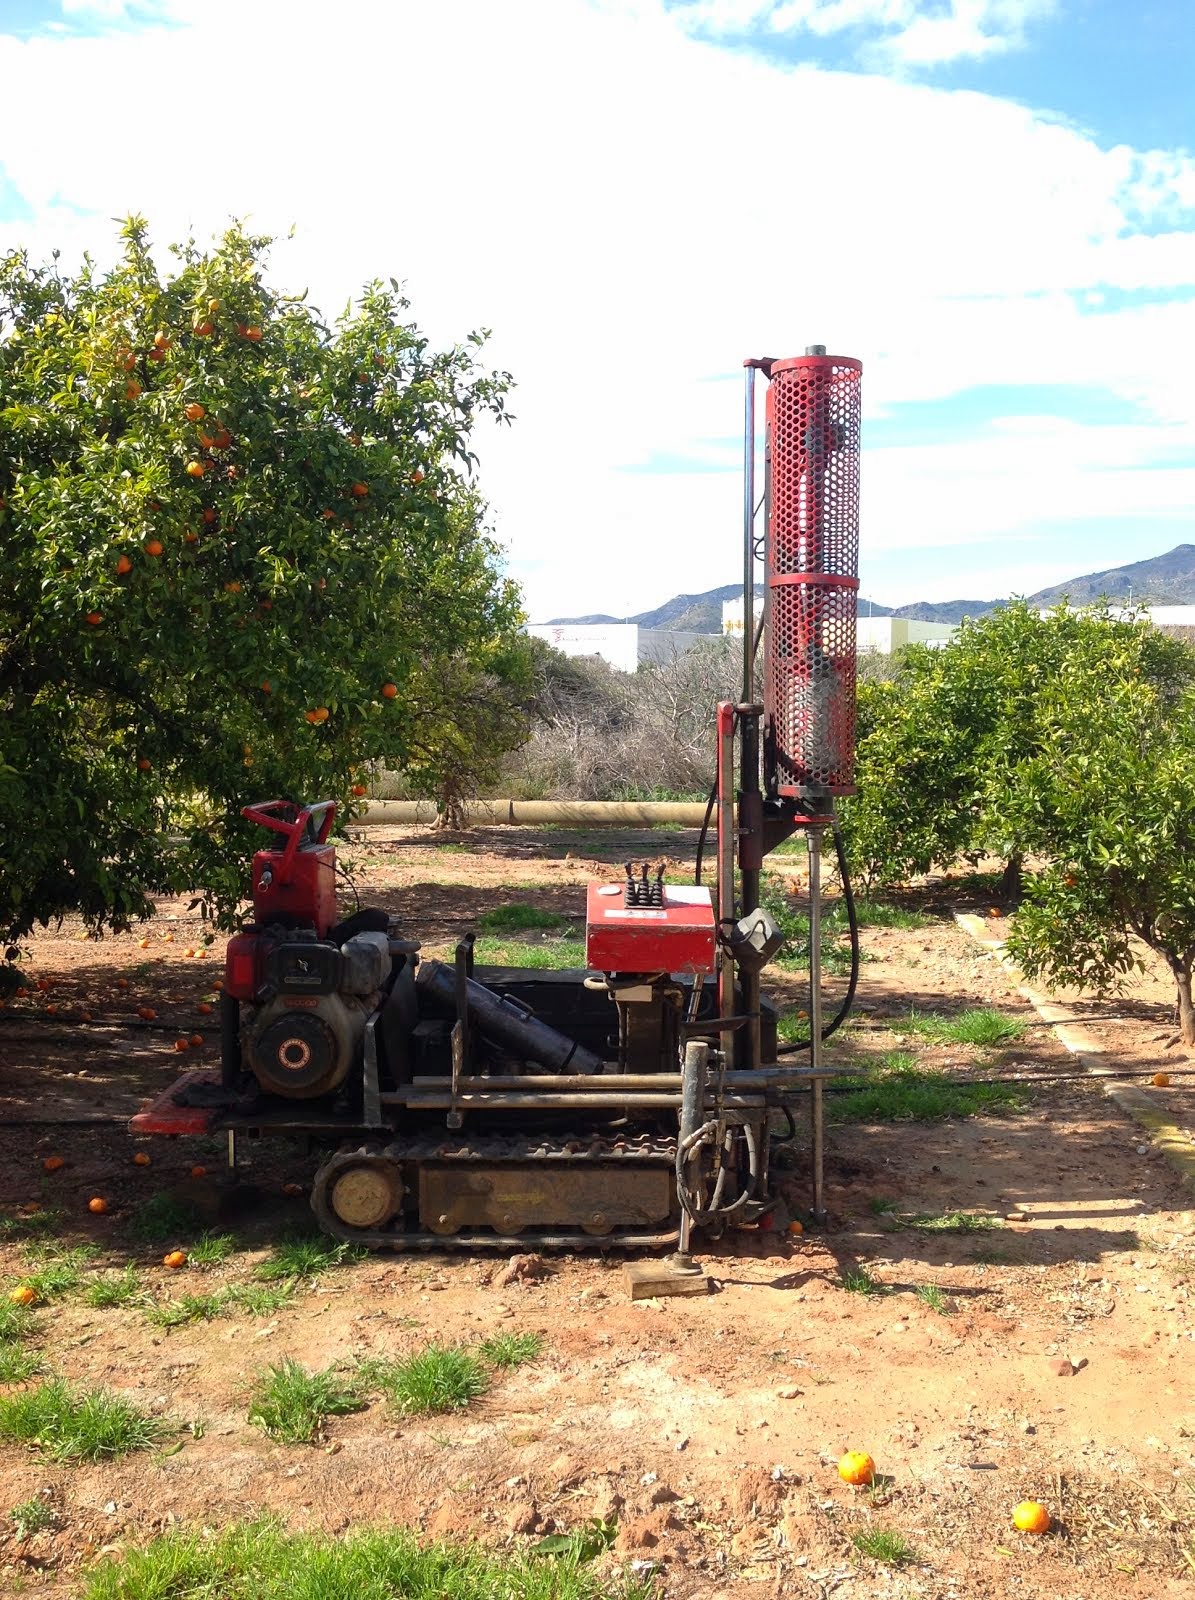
[710, 1427]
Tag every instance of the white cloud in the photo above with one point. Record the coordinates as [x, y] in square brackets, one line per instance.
[634, 211]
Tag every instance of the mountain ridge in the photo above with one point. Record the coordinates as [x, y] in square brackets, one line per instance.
[1168, 578]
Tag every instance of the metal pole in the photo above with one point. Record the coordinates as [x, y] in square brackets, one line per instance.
[749, 535]
[817, 1108]
[726, 842]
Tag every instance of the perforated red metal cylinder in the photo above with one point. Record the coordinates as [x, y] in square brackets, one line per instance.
[811, 564]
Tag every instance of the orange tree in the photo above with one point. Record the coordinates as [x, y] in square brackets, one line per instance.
[237, 539]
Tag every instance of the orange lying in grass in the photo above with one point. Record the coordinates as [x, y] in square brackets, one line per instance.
[1161, 1080]
[856, 1467]
[23, 1295]
[175, 1258]
[53, 1163]
[1031, 1517]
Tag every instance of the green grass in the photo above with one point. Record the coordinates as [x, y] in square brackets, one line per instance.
[55, 1271]
[553, 955]
[261, 1561]
[437, 1378]
[980, 1025]
[16, 1322]
[116, 1289]
[188, 1308]
[450, 849]
[510, 1349]
[882, 1544]
[291, 1404]
[897, 1090]
[857, 1280]
[306, 1257]
[165, 1219]
[930, 1295]
[519, 917]
[31, 1516]
[793, 923]
[881, 1206]
[880, 914]
[584, 1543]
[36, 1226]
[211, 1249]
[17, 1363]
[261, 1299]
[949, 1222]
[77, 1424]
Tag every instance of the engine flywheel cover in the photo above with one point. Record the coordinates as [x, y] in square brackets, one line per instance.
[297, 1056]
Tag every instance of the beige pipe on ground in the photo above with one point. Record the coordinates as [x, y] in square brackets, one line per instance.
[541, 813]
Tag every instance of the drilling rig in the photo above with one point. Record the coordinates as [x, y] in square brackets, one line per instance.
[628, 1105]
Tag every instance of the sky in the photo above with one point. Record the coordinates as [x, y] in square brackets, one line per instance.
[991, 203]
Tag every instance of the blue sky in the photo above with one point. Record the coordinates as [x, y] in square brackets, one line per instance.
[990, 202]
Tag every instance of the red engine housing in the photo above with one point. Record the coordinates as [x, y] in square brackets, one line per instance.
[296, 881]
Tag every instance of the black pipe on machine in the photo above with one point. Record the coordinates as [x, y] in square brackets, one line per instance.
[506, 1022]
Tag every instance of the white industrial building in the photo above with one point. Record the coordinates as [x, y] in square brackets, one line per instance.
[883, 634]
[624, 645]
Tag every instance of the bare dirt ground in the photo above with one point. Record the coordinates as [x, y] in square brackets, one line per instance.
[1055, 1365]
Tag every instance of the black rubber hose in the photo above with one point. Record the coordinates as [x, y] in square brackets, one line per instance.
[852, 918]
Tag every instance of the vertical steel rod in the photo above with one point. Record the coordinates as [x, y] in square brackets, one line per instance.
[813, 838]
[749, 535]
[726, 842]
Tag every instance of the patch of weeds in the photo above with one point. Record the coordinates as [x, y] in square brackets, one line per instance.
[116, 1289]
[776, 898]
[857, 1280]
[262, 1561]
[32, 1516]
[261, 1299]
[949, 1222]
[291, 1404]
[164, 1218]
[34, 1226]
[552, 955]
[17, 1363]
[451, 849]
[188, 1308]
[793, 1027]
[437, 1378]
[980, 1025]
[930, 1295]
[77, 1424]
[585, 1543]
[880, 914]
[913, 1094]
[211, 1249]
[16, 1322]
[510, 1349]
[54, 1271]
[518, 918]
[881, 1206]
[883, 1544]
[306, 1257]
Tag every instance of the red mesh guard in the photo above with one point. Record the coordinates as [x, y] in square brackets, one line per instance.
[812, 564]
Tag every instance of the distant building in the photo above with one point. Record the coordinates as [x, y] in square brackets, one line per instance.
[883, 634]
[624, 645]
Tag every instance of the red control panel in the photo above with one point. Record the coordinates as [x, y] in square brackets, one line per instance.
[676, 936]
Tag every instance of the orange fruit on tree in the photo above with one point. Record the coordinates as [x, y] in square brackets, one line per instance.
[144, 764]
[417, 475]
[233, 587]
[126, 360]
[132, 389]
[389, 691]
[210, 514]
[360, 490]
[53, 1163]
[266, 686]
[253, 333]
[156, 353]
[23, 1295]
[222, 440]
[359, 790]
[204, 329]
[94, 618]
[122, 566]
[141, 1159]
[206, 440]
[153, 547]
[857, 1467]
[213, 306]
[161, 340]
[1160, 1080]
[97, 1205]
[329, 516]
[195, 412]
[1031, 1517]
[175, 1258]
[195, 469]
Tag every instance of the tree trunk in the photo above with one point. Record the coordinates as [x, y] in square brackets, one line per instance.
[1011, 886]
[1186, 1011]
